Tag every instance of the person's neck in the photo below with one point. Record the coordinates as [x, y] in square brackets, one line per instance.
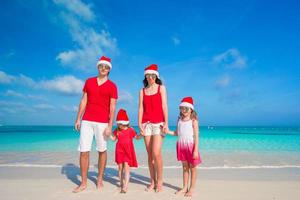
[186, 118]
[102, 78]
[152, 85]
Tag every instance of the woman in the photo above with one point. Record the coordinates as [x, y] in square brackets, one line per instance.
[153, 122]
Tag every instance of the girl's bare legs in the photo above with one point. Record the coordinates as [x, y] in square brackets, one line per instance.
[120, 172]
[126, 177]
[148, 144]
[193, 180]
[185, 176]
[158, 163]
[84, 166]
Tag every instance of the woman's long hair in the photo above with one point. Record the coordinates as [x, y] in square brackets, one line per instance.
[157, 81]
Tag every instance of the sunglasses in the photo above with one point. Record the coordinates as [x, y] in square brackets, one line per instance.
[184, 109]
[150, 76]
[102, 66]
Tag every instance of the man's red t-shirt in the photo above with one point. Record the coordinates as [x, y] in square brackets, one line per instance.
[98, 99]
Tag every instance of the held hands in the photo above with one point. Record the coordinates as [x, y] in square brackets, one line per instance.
[107, 131]
[165, 128]
[141, 130]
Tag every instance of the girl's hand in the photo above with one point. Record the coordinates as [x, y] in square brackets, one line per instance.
[195, 154]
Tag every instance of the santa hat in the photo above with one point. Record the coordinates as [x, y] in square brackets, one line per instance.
[104, 60]
[152, 69]
[122, 117]
[187, 102]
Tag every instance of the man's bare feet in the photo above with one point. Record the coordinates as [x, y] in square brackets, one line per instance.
[181, 191]
[79, 188]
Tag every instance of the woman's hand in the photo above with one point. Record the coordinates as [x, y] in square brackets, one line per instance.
[165, 128]
[141, 130]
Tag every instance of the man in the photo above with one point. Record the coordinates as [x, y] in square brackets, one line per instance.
[97, 109]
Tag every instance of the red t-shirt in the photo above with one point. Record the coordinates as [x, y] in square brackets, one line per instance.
[98, 99]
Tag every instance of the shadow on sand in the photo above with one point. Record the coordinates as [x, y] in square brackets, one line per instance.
[72, 172]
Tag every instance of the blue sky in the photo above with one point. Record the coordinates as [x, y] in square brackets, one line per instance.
[239, 60]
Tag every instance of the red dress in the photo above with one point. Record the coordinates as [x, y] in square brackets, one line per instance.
[125, 148]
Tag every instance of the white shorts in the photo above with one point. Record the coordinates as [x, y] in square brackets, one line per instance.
[87, 131]
[152, 129]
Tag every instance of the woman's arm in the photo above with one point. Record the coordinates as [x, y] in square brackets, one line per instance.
[140, 114]
[81, 110]
[196, 138]
[163, 92]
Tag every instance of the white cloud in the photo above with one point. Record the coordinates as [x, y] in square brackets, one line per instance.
[222, 82]
[5, 78]
[14, 107]
[70, 108]
[91, 43]
[175, 40]
[68, 85]
[12, 93]
[125, 97]
[231, 58]
[78, 8]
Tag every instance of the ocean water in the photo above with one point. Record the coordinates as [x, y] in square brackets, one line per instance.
[219, 146]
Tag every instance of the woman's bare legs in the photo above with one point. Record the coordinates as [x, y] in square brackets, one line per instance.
[148, 143]
[158, 162]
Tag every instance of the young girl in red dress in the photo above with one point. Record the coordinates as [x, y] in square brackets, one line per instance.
[124, 154]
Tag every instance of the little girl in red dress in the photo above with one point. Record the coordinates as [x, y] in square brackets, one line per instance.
[124, 154]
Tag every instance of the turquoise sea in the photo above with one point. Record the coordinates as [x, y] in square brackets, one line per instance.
[219, 146]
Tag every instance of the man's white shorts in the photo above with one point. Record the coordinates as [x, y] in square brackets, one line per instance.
[152, 129]
[87, 131]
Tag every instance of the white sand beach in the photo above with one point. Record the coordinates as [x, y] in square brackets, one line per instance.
[36, 182]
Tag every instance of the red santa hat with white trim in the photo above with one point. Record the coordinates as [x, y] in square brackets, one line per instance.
[122, 117]
[152, 69]
[187, 102]
[104, 60]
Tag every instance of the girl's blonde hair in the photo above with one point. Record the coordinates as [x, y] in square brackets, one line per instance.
[194, 115]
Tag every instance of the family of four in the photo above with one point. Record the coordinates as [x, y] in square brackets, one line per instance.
[95, 118]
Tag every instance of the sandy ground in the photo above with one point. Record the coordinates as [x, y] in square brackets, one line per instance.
[57, 183]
